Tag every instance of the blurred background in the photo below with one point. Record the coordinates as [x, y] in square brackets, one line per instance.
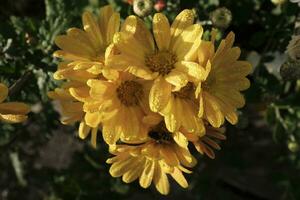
[42, 159]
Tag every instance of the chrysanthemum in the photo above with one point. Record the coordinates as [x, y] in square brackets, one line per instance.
[86, 49]
[11, 112]
[168, 59]
[153, 160]
[120, 106]
[71, 109]
[84, 55]
[181, 110]
[225, 77]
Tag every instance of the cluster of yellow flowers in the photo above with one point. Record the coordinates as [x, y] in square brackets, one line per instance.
[151, 93]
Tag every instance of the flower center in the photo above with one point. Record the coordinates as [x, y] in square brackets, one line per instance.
[161, 134]
[161, 62]
[186, 92]
[130, 93]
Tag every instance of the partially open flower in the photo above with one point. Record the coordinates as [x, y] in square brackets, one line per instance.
[293, 49]
[290, 70]
[295, 1]
[153, 160]
[142, 8]
[159, 5]
[225, 77]
[278, 2]
[221, 18]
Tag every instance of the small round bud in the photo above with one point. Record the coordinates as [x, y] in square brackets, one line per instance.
[290, 70]
[159, 5]
[295, 1]
[293, 146]
[293, 48]
[221, 18]
[130, 2]
[142, 8]
[29, 39]
[278, 2]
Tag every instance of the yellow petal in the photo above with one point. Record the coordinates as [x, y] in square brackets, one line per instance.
[161, 31]
[131, 124]
[60, 94]
[75, 47]
[171, 114]
[177, 78]
[194, 70]
[80, 36]
[91, 26]
[136, 28]
[69, 56]
[182, 21]
[187, 43]
[13, 118]
[94, 137]
[84, 130]
[81, 93]
[113, 27]
[119, 168]
[100, 88]
[147, 174]
[14, 108]
[161, 181]
[160, 94]
[133, 173]
[206, 52]
[180, 139]
[212, 111]
[169, 156]
[110, 135]
[3, 92]
[179, 178]
[105, 15]
[92, 119]
[152, 119]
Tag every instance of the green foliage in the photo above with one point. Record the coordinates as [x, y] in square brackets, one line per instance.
[264, 146]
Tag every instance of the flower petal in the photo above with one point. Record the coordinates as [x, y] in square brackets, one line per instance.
[14, 108]
[161, 31]
[3, 92]
[160, 94]
[187, 43]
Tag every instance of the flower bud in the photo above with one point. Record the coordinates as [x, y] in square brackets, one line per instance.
[130, 2]
[295, 1]
[159, 5]
[142, 8]
[290, 70]
[293, 146]
[278, 2]
[293, 49]
[221, 18]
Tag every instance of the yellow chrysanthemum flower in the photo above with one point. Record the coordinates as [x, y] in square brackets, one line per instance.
[153, 160]
[225, 77]
[168, 59]
[71, 109]
[11, 112]
[119, 106]
[87, 48]
[84, 55]
[181, 110]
